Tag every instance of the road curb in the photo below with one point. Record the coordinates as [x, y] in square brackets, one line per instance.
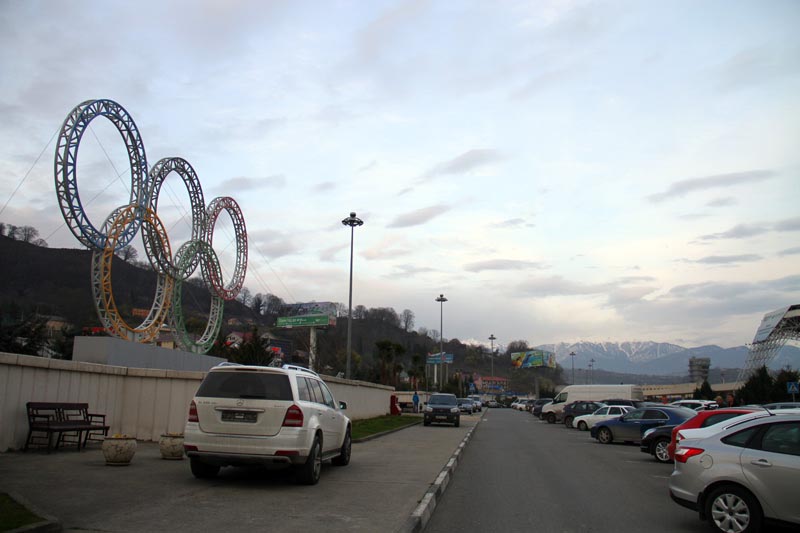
[422, 514]
[387, 432]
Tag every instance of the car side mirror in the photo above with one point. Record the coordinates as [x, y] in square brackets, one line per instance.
[342, 405]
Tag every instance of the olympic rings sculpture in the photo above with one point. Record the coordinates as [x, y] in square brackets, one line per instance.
[124, 222]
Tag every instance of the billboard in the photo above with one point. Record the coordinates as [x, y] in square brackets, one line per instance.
[309, 308]
[305, 321]
[533, 359]
[768, 324]
[436, 358]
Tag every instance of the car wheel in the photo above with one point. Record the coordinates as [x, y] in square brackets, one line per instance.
[426, 422]
[308, 474]
[660, 451]
[551, 418]
[732, 508]
[202, 470]
[604, 436]
[343, 459]
[582, 426]
[568, 421]
[457, 423]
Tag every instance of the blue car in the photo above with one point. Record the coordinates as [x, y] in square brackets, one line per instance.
[631, 426]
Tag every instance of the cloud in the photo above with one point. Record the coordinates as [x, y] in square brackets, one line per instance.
[722, 202]
[463, 163]
[242, 184]
[743, 231]
[790, 251]
[329, 254]
[558, 286]
[756, 66]
[369, 166]
[728, 259]
[273, 244]
[684, 187]
[386, 249]
[511, 223]
[324, 186]
[502, 264]
[419, 216]
[407, 271]
[734, 290]
[790, 224]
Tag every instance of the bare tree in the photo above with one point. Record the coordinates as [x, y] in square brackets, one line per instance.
[407, 318]
[273, 305]
[12, 232]
[258, 303]
[128, 253]
[359, 312]
[244, 296]
[2, 229]
[27, 234]
[40, 242]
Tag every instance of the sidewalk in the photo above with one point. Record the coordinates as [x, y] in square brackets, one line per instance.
[380, 490]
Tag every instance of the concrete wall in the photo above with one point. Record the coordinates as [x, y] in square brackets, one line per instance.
[117, 352]
[141, 402]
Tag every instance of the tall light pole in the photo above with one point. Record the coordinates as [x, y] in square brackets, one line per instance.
[591, 370]
[351, 221]
[492, 338]
[441, 299]
[572, 354]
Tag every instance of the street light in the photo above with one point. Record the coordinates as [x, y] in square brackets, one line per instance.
[441, 299]
[572, 354]
[492, 338]
[591, 370]
[351, 221]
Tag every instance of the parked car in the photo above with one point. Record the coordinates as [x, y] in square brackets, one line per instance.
[536, 410]
[631, 426]
[704, 419]
[245, 415]
[609, 412]
[442, 408]
[515, 404]
[743, 476]
[493, 404]
[575, 409]
[476, 399]
[655, 441]
[781, 405]
[466, 405]
[622, 401]
[697, 405]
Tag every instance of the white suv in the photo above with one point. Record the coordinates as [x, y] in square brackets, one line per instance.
[249, 415]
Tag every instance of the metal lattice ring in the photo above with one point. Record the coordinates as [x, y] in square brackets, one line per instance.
[217, 205]
[114, 228]
[185, 255]
[66, 177]
[161, 261]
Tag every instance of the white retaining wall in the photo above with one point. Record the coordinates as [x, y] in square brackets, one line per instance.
[141, 402]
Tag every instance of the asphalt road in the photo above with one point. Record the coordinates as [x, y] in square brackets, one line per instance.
[521, 474]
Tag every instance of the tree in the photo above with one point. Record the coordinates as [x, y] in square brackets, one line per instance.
[273, 305]
[407, 319]
[258, 303]
[704, 392]
[758, 389]
[40, 242]
[27, 234]
[128, 253]
[359, 312]
[517, 346]
[780, 392]
[244, 296]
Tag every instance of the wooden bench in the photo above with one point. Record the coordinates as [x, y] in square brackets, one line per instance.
[69, 421]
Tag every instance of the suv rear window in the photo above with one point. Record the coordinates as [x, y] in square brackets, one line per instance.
[254, 385]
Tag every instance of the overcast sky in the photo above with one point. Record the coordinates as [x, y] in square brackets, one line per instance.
[559, 170]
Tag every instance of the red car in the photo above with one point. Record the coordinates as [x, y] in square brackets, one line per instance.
[704, 419]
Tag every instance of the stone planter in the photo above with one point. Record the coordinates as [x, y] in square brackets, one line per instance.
[119, 450]
[171, 446]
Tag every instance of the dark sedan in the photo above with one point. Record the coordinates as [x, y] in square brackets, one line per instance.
[631, 426]
[655, 441]
[536, 410]
[576, 409]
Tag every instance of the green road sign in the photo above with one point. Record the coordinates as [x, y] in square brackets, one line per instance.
[304, 321]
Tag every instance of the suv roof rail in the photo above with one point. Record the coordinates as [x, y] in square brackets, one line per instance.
[299, 369]
[227, 363]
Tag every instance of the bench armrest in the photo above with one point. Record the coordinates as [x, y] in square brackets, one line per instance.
[97, 417]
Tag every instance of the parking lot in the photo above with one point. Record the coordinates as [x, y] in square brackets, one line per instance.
[378, 491]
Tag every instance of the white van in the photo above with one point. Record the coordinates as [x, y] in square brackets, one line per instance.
[553, 411]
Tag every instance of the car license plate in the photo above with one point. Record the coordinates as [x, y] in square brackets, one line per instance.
[239, 416]
[441, 417]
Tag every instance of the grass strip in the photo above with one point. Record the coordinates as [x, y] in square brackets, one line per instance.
[14, 515]
[371, 426]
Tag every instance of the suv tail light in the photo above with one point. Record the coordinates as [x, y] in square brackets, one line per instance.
[193, 412]
[684, 454]
[293, 418]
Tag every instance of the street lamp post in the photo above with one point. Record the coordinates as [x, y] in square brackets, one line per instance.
[492, 338]
[351, 221]
[572, 355]
[591, 370]
[441, 299]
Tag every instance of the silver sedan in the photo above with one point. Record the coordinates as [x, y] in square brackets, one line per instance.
[745, 474]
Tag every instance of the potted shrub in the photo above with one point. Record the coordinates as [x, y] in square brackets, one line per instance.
[171, 446]
[119, 449]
